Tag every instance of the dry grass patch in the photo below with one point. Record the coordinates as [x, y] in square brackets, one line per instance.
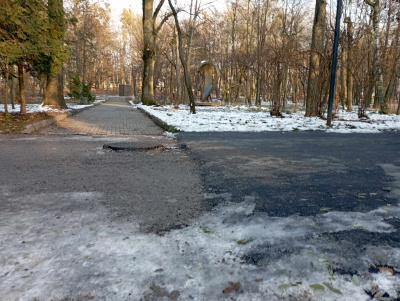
[16, 122]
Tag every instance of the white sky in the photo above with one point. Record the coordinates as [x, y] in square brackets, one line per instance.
[118, 5]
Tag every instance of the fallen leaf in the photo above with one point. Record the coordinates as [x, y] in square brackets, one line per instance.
[355, 280]
[244, 241]
[233, 286]
[283, 286]
[386, 269]
[325, 209]
[207, 230]
[332, 289]
[317, 287]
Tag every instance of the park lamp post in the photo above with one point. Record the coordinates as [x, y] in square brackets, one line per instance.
[334, 62]
[134, 70]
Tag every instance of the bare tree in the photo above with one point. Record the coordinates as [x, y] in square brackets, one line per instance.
[317, 47]
[188, 82]
[379, 97]
[150, 31]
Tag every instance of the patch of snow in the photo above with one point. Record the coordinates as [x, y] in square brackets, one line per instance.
[170, 135]
[254, 119]
[56, 246]
[38, 108]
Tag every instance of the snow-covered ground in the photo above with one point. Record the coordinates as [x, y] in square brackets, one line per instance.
[38, 108]
[245, 119]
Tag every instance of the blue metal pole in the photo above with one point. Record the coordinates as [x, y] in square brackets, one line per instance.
[334, 62]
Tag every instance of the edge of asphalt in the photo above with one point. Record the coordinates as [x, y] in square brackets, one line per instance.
[31, 128]
[162, 124]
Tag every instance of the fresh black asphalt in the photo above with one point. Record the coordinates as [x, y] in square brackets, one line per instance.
[303, 173]
[299, 172]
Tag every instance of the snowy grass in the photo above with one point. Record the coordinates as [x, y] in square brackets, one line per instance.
[38, 108]
[254, 119]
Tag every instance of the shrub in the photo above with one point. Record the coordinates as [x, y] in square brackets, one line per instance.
[77, 89]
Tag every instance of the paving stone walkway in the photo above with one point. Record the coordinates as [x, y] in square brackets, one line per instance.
[115, 117]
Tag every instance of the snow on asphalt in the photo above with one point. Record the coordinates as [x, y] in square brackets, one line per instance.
[253, 119]
[62, 245]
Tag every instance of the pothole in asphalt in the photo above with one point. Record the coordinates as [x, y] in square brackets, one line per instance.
[134, 146]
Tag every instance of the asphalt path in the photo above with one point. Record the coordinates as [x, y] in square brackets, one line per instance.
[160, 188]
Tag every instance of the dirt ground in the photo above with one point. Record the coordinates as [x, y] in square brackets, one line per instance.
[15, 122]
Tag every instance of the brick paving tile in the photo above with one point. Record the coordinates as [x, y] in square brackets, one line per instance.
[115, 117]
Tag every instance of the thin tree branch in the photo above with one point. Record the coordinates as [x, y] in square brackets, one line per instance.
[165, 19]
[159, 6]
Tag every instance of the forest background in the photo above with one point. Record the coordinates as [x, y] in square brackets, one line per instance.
[263, 52]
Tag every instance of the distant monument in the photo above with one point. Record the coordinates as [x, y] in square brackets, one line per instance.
[208, 69]
[125, 90]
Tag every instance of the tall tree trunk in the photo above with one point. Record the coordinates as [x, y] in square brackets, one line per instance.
[177, 70]
[386, 40]
[276, 101]
[6, 87]
[343, 77]
[369, 90]
[149, 48]
[60, 90]
[57, 23]
[317, 47]
[11, 88]
[393, 80]
[379, 97]
[398, 106]
[233, 49]
[248, 87]
[188, 82]
[350, 69]
[284, 87]
[148, 53]
[54, 95]
[50, 96]
[194, 13]
[295, 87]
[21, 84]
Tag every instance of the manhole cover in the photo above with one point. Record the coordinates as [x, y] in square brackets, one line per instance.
[133, 146]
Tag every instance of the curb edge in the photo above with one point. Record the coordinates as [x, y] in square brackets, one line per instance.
[165, 126]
